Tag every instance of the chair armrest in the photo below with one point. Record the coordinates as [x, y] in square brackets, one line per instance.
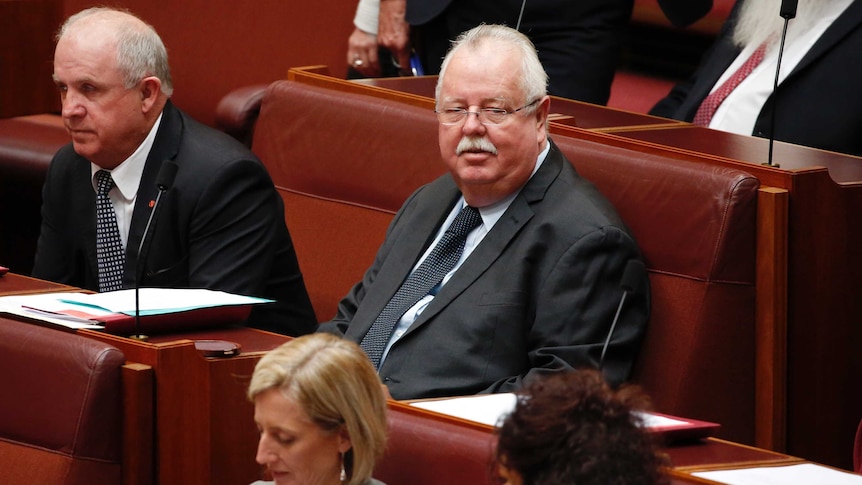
[237, 112]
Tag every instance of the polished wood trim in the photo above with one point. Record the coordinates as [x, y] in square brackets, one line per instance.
[17, 284]
[204, 425]
[771, 319]
[312, 75]
[138, 424]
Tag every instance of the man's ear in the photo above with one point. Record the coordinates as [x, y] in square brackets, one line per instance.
[542, 112]
[150, 89]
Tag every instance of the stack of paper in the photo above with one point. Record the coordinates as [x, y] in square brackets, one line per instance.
[115, 311]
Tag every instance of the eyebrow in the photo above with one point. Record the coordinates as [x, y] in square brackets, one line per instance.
[499, 99]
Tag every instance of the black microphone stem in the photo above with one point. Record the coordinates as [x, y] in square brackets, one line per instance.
[611, 332]
[138, 335]
[775, 94]
[164, 181]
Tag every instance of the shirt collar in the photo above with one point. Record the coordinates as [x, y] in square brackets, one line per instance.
[492, 213]
[127, 175]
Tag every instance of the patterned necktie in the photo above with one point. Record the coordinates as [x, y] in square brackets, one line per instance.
[109, 247]
[711, 103]
[439, 262]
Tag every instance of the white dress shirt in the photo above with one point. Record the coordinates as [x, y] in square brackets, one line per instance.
[127, 178]
[740, 110]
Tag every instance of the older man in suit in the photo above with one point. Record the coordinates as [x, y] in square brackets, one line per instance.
[221, 224]
[818, 102]
[510, 265]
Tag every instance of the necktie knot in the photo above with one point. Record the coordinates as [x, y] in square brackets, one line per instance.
[440, 261]
[466, 220]
[104, 181]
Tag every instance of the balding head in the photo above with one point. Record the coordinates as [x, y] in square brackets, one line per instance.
[139, 49]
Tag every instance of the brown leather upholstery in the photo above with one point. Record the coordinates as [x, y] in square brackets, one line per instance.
[345, 162]
[27, 144]
[695, 225]
[342, 171]
[237, 112]
[61, 407]
[423, 451]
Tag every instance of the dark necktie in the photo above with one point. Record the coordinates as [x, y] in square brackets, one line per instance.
[711, 103]
[429, 274]
[109, 247]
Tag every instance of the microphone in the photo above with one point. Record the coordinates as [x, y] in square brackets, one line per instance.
[787, 12]
[788, 9]
[164, 181]
[630, 283]
[520, 15]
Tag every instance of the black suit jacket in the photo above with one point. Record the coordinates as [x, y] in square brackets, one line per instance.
[538, 294]
[819, 104]
[579, 42]
[221, 226]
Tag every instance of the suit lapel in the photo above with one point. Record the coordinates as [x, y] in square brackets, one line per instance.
[843, 26]
[419, 231]
[86, 199]
[497, 239]
[165, 147]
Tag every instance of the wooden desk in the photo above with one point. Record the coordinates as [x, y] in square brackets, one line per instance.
[205, 431]
[823, 308]
[204, 425]
[685, 457]
[564, 112]
[16, 284]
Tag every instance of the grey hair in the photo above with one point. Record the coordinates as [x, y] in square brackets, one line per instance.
[140, 50]
[534, 79]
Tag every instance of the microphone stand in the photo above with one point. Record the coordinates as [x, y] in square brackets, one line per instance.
[788, 11]
[164, 181]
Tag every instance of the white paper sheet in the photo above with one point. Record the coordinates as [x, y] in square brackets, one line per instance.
[486, 409]
[805, 473]
[156, 301]
[46, 308]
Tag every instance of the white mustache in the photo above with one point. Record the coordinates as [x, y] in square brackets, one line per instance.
[475, 143]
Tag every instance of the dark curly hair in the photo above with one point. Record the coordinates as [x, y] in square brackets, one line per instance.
[572, 428]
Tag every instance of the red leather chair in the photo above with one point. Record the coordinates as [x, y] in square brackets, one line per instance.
[61, 411]
[857, 450]
[27, 145]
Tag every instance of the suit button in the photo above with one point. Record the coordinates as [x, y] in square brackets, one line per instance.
[386, 379]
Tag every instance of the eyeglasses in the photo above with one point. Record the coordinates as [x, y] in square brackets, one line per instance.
[487, 116]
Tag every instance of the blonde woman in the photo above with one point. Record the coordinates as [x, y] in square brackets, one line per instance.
[321, 412]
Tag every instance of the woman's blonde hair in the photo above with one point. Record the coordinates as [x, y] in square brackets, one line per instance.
[336, 385]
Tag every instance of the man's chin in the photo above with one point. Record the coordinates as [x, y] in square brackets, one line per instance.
[86, 150]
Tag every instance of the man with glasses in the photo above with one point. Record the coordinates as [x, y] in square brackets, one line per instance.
[510, 265]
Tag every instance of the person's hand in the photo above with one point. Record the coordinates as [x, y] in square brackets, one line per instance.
[393, 32]
[362, 53]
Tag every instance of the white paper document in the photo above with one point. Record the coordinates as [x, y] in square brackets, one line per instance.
[48, 307]
[805, 473]
[487, 409]
[79, 310]
[157, 301]
[491, 409]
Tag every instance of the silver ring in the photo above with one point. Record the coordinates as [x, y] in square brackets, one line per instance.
[358, 63]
